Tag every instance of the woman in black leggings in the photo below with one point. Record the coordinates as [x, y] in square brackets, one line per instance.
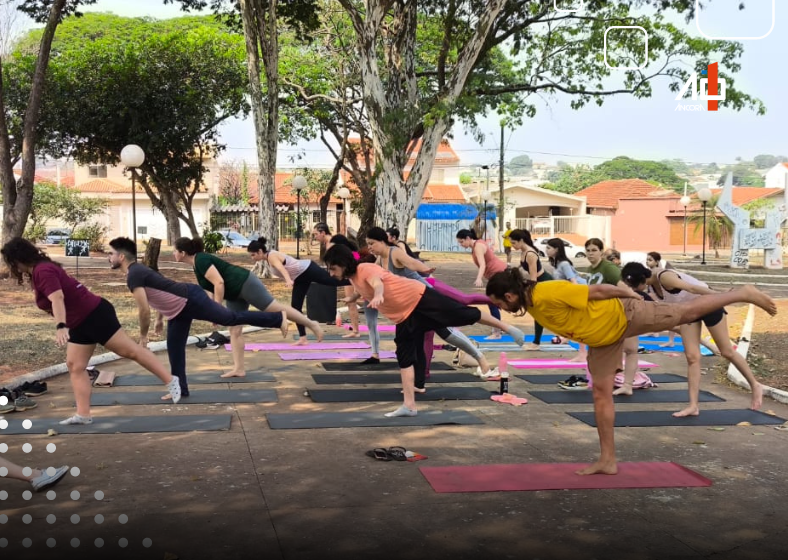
[297, 274]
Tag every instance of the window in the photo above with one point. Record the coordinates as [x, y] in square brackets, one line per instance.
[97, 171]
[142, 230]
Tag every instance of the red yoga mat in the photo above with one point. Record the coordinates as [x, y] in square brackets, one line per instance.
[558, 476]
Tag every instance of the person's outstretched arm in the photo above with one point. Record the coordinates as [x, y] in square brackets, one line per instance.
[607, 291]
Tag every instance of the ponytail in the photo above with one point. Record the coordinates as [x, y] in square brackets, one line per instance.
[466, 233]
[190, 246]
[511, 281]
[258, 245]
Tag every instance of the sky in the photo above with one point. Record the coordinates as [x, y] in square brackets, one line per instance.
[642, 129]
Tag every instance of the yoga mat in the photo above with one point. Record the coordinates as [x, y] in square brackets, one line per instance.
[208, 396]
[560, 364]
[650, 418]
[393, 394]
[306, 420]
[381, 366]
[558, 476]
[678, 348]
[290, 356]
[364, 328]
[585, 396]
[392, 378]
[332, 336]
[266, 346]
[546, 347]
[553, 378]
[126, 425]
[208, 377]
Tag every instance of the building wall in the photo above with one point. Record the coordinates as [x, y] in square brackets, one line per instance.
[642, 224]
[776, 177]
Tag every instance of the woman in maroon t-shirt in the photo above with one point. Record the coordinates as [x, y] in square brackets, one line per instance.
[82, 320]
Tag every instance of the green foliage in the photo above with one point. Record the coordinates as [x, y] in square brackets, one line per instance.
[94, 233]
[51, 202]
[35, 232]
[677, 165]
[758, 209]
[655, 172]
[767, 161]
[213, 241]
[520, 164]
[718, 227]
[745, 174]
[466, 178]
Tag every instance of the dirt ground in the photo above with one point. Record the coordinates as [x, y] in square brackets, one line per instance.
[27, 341]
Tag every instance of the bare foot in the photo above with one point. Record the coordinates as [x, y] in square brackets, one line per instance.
[317, 330]
[670, 344]
[600, 467]
[353, 334]
[691, 410]
[285, 325]
[753, 295]
[624, 390]
[302, 341]
[421, 390]
[494, 336]
[531, 347]
[167, 397]
[757, 397]
[233, 374]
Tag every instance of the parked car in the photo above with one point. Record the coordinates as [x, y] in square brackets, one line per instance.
[572, 250]
[234, 239]
[57, 236]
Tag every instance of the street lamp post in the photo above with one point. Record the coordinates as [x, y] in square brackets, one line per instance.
[704, 195]
[344, 194]
[485, 201]
[132, 157]
[299, 184]
[685, 201]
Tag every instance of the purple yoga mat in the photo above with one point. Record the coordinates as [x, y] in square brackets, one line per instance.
[560, 364]
[279, 346]
[288, 356]
[381, 328]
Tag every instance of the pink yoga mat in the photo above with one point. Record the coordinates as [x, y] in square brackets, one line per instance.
[264, 346]
[560, 364]
[288, 356]
[364, 328]
[558, 476]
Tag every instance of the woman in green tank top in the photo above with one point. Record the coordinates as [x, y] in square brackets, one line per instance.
[238, 288]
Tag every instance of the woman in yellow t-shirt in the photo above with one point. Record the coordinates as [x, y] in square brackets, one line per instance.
[603, 316]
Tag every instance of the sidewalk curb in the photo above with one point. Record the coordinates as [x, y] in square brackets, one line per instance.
[58, 369]
[742, 348]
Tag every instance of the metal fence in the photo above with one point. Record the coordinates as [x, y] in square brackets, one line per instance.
[440, 235]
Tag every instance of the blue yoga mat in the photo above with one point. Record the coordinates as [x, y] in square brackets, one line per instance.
[647, 342]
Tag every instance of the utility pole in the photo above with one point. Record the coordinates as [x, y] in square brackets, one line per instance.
[500, 185]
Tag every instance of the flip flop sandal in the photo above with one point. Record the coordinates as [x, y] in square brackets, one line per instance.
[397, 453]
[379, 453]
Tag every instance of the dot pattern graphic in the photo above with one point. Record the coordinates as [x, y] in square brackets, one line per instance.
[74, 471]
[51, 447]
[27, 543]
[3, 471]
[74, 495]
[3, 494]
[27, 519]
[75, 519]
[27, 424]
[27, 471]
[27, 494]
[75, 542]
[51, 542]
[3, 400]
[51, 495]
[3, 447]
[51, 519]
[99, 495]
[27, 448]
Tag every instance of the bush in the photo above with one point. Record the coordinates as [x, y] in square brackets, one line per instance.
[94, 233]
[213, 241]
[35, 232]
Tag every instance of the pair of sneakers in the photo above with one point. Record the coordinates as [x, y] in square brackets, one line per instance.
[213, 342]
[492, 374]
[48, 478]
[15, 400]
[574, 383]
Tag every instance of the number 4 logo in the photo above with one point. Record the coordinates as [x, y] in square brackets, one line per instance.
[709, 87]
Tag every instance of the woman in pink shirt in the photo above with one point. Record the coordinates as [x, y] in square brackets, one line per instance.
[82, 320]
[487, 263]
[414, 310]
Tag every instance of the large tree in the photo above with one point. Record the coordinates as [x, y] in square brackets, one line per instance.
[18, 195]
[164, 85]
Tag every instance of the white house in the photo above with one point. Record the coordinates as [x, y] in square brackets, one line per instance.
[777, 176]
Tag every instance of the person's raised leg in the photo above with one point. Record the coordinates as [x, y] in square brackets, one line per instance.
[491, 321]
[630, 366]
[297, 317]
[690, 337]
[238, 343]
[457, 338]
[602, 363]
[720, 333]
[701, 306]
[77, 358]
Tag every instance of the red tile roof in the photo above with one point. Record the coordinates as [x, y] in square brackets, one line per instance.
[105, 186]
[283, 190]
[443, 193]
[444, 155]
[606, 194]
[743, 195]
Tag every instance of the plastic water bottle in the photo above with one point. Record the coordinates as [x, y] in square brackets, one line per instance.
[503, 370]
[338, 320]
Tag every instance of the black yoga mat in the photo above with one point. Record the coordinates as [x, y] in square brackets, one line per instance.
[208, 396]
[650, 418]
[392, 378]
[305, 420]
[554, 378]
[393, 394]
[126, 425]
[203, 378]
[382, 366]
[639, 396]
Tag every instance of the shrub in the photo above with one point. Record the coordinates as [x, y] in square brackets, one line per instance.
[213, 241]
[94, 233]
[35, 232]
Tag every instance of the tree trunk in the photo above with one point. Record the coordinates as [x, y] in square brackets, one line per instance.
[18, 197]
[151, 258]
[172, 215]
[367, 216]
[259, 24]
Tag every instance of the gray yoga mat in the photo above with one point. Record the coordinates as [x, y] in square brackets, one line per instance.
[307, 420]
[392, 378]
[126, 425]
[585, 396]
[651, 418]
[208, 396]
[554, 378]
[382, 366]
[203, 378]
[393, 394]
